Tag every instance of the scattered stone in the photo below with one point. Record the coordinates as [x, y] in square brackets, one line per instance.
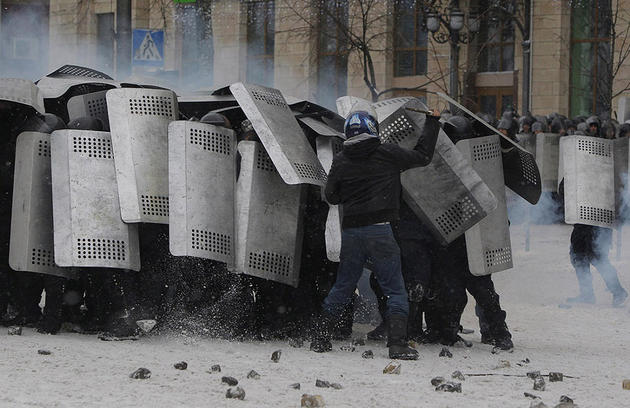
[295, 386]
[322, 384]
[539, 384]
[141, 374]
[367, 354]
[275, 356]
[537, 404]
[347, 348]
[14, 331]
[44, 352]
[231, 381]
[146, 325]
[215, 368]
[499, 350]
[533, 374]
[445, 352]
[435, 381]
[457, 375]
[235, 393]
[312, 401]
[532, 396]
[296, 343]
[626, 384]
[392, 368]
[523, 362]
[358, 342]
[449, 387]
[182, 365]
[253, 375]
[555, 377]
[566, 399]
[336, 386]
[503, 364]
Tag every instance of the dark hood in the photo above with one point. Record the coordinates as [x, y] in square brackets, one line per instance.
[361, 145]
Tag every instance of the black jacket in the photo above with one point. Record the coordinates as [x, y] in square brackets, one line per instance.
[365, 176]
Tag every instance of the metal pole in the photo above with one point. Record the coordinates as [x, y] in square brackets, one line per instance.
[454, 65]
[123, 38]
[526, 69]
[619, 241]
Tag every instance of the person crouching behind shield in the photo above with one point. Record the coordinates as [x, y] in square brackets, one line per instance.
[365, 180]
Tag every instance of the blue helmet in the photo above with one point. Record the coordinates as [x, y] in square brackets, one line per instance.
[360, 122]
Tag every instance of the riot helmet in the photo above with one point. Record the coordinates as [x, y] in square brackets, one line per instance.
[360, 122]
[582, 128]
[537, 127]
[594, 125]
[216, 119]
[86, 123]
[557, 126]
[624, 130]
[457, 128]
[525, 123]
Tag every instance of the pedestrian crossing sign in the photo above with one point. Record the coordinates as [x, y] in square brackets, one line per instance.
[148, 48]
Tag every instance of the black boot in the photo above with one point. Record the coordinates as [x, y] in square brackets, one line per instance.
[322, 333]
[397, 339]
[414, 324]
[380, 332]
[502, 338]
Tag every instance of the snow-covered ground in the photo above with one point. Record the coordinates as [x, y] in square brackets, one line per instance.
[591, 343]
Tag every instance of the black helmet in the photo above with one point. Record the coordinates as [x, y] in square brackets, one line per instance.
[214, 118]
[556, 125]
[86, 123]
[46, 123]
[457, 128]
[593, 120]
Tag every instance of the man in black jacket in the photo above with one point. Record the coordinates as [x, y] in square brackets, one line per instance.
[365, 180]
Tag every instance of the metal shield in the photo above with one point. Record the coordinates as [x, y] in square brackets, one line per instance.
[268, 219]
[319, 127]
[31, 247]
[528, 142]
[347, 103]
[447, 195]
[23, 92]
[488, 242]
[589, 185]
[622, 198]
[327, 148]
[93, 105]
[404, 126]
[88, 230]
[547, 157]
[386, 107]
[202, 172]
[139, 120]
[280, 133]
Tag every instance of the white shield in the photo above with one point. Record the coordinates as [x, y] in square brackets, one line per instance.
[23, 92]
[139, 120]
[88, 230]
[327, 148]
[488, 243]
[547, 157]
[93, 105]
[202, 169]
[31, 246]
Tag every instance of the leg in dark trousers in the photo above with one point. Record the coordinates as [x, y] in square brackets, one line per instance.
[601, 247]
[27, 295]
[491, 317]
[4, 294]
[53, 307]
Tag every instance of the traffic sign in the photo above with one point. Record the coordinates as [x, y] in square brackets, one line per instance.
[148, 48]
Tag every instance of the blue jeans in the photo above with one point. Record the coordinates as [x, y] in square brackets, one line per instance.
[374, 246]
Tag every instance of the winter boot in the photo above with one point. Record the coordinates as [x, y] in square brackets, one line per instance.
[397, 339]
[379, 333]
[585, 282]
[414, 324]
[322, 333]
[502, 338]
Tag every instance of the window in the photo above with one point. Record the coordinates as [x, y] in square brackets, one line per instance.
[332, 67]
[496, 100]
[496, 42]
[410, 39]
[197, 45]
[591, 79]
[260, 41]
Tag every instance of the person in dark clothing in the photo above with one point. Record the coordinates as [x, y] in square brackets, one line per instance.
[590, 246]
[365, 180]
[452, 277]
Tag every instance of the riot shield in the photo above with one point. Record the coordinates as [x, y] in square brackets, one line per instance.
[346, 103]
[320, 127]
[547, 157]
[23, 92]
[622, 198]
[88, 230]
[139, 121]
[327, 148]
[201, 170]
[386, 107]
[280, 133]
[31, 247]
[528, 142]
[519, 166]
[488, 242]
[448, 194]
[589, 185]
[268, 219]
[93, 105]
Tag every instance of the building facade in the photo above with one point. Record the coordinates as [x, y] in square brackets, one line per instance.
[308, 49]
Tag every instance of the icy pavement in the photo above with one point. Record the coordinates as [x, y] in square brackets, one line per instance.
[591, 343]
